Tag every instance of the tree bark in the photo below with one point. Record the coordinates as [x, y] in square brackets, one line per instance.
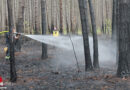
[95, 38]
[123, 23]
[61, 18]
[43, 12]
[37, 24]
[84, 23]
[52, 16]
[71, 17]
[66, 19]
[20, 23]
[13, 75]
[114, 20]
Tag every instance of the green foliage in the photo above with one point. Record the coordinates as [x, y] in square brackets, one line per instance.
[64, 31]
[99, 31]
[79, 32]
[108, 26]
[27, 27]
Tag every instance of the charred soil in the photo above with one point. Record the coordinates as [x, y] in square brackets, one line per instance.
[36, 74]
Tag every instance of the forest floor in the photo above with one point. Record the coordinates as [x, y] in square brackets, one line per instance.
[57, 72]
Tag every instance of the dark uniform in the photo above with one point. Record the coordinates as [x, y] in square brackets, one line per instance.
[8, 45]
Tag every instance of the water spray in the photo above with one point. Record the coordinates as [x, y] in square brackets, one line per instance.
[56, 34]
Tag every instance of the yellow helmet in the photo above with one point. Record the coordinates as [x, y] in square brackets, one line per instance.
[5, 49]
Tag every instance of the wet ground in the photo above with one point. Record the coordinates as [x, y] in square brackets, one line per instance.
[58, 71]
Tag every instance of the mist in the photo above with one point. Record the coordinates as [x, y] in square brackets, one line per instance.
[63, 55]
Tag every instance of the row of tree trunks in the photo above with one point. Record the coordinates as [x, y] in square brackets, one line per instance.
[20, 26]
[32, 14]
[121, 9]
[84, 22]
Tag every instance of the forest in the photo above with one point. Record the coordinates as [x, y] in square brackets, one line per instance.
[64, 45]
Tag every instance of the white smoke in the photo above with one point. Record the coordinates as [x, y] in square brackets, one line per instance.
[64, 55]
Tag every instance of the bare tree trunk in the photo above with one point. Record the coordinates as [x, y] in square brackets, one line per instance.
[95, 38]
[84, 22]
[61, 18]
[37, 24]
[71, 17]
[67, 25]
[43, 12]
[114, 21]
[103, 16]
[20, 23]
[13, 75]
[52, 16]
[123, 24]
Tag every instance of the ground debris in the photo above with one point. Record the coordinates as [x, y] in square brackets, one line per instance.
[53, 72]
[36, 74]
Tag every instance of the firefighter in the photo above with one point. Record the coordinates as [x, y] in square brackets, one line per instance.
[55, 32]
[16, 37]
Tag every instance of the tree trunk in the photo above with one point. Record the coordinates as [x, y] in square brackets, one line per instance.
[37, 24]
[124, 38]
[43, 12]
[66, 19]
[103, 16]
[71, 17]
[84, 23]
[52, 16]
[13, 75]
[61, 18]
[117, 32]
[95, 38]
[20, 23]
[114, 21]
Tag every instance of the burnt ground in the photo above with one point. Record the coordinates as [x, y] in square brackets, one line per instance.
[58, 72]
